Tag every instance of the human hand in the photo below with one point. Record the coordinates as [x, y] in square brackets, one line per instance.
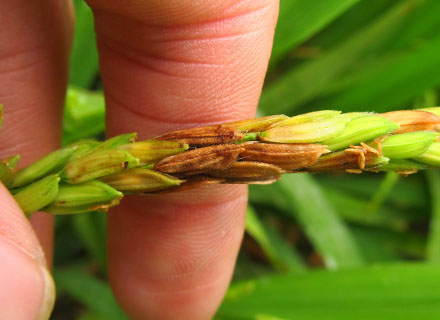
[165, 65]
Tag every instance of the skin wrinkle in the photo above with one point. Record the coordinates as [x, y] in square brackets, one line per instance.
[172, 45]
[160, 13]
[14, 114]
[15, 143]
[179, 66]
[160, 126]
[146, 64]
[188, 51]
[18, 119]
[195, 261]
[35, 38]
[182, 301]
[209, 113]
[25, 245]
[215, 37]
[205, 194]
[161, 271]
[122, 40]
[194, 289]
[175, 114]
[171, 125]
[117, 77]
[226, 233]
[17, 49]
[193, 212]
[26, 148]
[179, 35]
[137, 55]
[221, 229]
[182, 124]
[23, 67]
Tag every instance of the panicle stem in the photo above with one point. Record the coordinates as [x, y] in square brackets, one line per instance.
[90, 176]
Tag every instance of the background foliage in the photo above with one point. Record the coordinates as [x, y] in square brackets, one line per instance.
[316, 247]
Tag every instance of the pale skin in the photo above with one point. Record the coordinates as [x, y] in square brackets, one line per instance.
[165, 65]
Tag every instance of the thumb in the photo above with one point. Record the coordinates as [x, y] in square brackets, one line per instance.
[27, 290]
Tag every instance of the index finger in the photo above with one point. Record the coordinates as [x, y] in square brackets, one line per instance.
[35, 38]
[167, 65]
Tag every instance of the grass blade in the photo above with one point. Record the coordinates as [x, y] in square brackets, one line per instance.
[433, 246]
[409, 193]
[92, 230]
[400, 292]
[397, 84]
[384, 189]
[84, 55]
[84, 115]
[353, 209]
[93, 293]
[349, 207]
[325, 229]
[384, 245]
[298, 85]
[282, 256]
[300, 19]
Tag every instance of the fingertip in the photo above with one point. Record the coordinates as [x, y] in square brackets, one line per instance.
[198, 303]
[172, 256]
[26, 291]
[15, 227]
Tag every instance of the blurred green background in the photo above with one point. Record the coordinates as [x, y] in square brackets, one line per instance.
[316, 247]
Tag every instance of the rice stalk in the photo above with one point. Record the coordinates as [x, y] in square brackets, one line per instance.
[253, 151]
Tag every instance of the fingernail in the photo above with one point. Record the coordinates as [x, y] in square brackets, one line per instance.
[27, 290]
[48, 295]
